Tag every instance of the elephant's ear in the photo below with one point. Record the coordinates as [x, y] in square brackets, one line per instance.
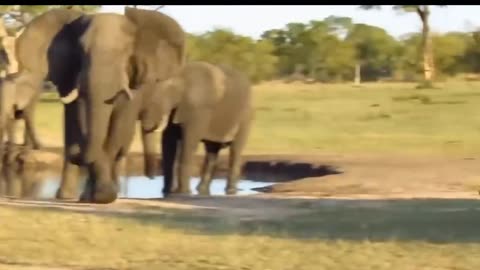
[160, 44]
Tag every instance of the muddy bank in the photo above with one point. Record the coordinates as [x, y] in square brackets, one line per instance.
[265, 168]
[336, 175]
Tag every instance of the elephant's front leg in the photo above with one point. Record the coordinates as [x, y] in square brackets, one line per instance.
[119, 168]
[170, 137]
[147, 130]
[72, 151]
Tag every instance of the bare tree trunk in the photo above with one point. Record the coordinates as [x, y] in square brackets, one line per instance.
[358, 75]
[427, 46]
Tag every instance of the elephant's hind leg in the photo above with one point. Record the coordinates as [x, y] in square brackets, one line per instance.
[209, 166]
[235, 160]
[193, 130]
[11, 146]
[31, 138]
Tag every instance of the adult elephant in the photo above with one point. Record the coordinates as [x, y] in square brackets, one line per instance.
[105, 55]
[205, 103]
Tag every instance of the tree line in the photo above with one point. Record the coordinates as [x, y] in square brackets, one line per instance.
[335, 49]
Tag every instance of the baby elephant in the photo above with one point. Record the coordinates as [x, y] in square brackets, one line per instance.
[207, 103]
[15, 105]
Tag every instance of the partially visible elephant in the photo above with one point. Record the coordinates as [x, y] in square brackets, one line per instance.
[109, 58]
[15, 103]
[35, 62]
[207, 103]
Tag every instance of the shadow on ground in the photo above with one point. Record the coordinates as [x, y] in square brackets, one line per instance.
[430, 220]
[256, 168]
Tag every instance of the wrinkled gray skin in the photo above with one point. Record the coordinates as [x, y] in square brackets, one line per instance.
[111, 58]
[17, 105]
[205, 103]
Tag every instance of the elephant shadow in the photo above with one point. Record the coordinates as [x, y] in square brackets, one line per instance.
[431, 220]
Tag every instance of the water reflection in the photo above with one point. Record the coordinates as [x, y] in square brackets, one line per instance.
[144, 188]
[43, 185]
[14, 183]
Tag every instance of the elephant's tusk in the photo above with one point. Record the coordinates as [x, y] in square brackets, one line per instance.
[163, 124]
[71, 97]
[129, 93]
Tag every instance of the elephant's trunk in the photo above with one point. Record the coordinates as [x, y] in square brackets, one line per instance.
[98, 121]
[102, 92]
[148, 141]
[99, 107]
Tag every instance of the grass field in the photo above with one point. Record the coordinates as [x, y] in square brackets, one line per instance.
[340, 118]
[384, 119]
[387, 235]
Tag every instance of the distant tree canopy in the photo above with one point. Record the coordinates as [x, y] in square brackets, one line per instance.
[329, 50]
[222, 46]
[22, 14]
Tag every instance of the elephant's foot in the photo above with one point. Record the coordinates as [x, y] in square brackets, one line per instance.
[105, 193]
[34, 146]
[203, 189]
[87, 195]
[173, 195]
[231, 190]
[11, 157]
[102, 193]
[182, 190]
[150, 166]
[178, 193]
[37, 146]
[65, 194]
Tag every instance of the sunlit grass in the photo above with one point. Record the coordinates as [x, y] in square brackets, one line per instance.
[319, 118]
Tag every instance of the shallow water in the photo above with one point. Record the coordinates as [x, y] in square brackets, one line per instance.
[141, 187]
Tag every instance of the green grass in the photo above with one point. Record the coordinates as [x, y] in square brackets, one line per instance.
[319, 118]
[376, 118]
[424, 234]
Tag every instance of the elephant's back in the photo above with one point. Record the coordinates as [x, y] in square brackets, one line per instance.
[37, 36]
[234, 106]
[204, 84]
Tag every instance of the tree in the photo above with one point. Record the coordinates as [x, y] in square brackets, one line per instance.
[450, 50]
[423, 12]
[305, 49]
[374, 51]
[472, 54]
[22, 14]
[151, 7]
[409, 58]
[222, 46]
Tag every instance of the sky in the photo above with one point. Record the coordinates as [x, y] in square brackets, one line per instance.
[254, 20]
